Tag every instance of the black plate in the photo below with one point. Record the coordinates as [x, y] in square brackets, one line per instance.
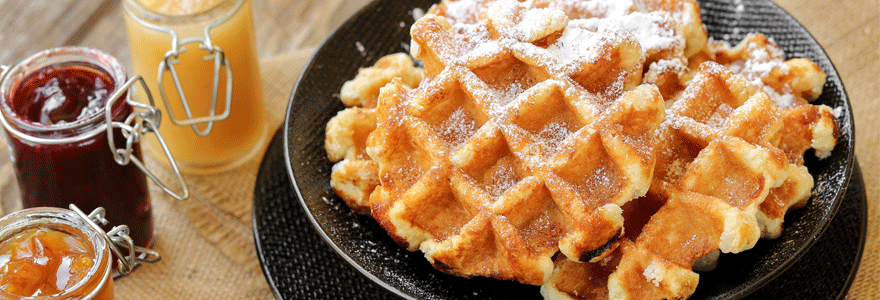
[382, 28]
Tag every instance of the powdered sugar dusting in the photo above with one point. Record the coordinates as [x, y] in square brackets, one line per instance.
[595, 8]
[719, 116]
[783, 101]
[648, 29]
[462, 10]
[553, 134]
[654, 31]
[759, 62]
[514, 20]
[417, 13]
[501, 178]
[576, 43]
[457, 128]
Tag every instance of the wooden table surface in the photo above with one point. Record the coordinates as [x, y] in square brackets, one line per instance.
[289, 31]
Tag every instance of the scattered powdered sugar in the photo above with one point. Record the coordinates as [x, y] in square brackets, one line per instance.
[719, 116]
[783, 101]
[649, 29]
[838, 111]
[462, 10]
[510, 91]
[598, 8]
[616, 87]
[457, 128]
[538, 23]
[417, 13]
[761, 62]
[598, 181]
[485, 49]
[739, 6]
[476, 41]
[502, 177]
[360, 48]
[553, 134]
[665, 65]
[514, 20]
[576, 43]
[653, 273]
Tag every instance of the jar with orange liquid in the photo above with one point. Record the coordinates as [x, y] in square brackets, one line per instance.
[54, 253]
[202, 56]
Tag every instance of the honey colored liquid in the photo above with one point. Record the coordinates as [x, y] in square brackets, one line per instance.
[179, 7]
[232, 140]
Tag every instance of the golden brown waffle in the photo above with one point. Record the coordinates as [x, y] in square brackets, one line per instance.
[791, 85]
[521, 142]
[355, 175]
[539, 122]
[721, 121]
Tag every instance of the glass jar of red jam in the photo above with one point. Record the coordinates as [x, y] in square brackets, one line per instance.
[55, 106]
[53, 253]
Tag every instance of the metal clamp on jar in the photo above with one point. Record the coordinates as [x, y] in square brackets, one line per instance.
[55, 253]
[201, 47]
[74, 136]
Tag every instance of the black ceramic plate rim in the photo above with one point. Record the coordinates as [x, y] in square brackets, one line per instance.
[784, 265]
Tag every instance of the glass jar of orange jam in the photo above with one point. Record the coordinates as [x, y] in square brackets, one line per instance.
[54, 253]
[200, 56]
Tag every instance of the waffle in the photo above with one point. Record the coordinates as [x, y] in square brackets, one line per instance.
[354, 175]
[791, 84]
[577, 144]
[721, 120]
[514, 147]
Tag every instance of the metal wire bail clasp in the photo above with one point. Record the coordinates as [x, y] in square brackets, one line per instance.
[220, 61]
[145, 118]
[118, 238]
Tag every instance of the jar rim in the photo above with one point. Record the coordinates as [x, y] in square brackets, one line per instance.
[52, 218]
[67, 56]
[138, 11]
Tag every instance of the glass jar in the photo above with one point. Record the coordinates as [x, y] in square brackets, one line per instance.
[193, 51]
[62, 119]
[54, 253]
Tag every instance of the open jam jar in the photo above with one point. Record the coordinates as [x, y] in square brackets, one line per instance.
[55, 106]
[53, 253]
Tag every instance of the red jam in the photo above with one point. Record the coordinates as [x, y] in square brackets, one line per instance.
[53, 102]
[43, 262]
[55, 96]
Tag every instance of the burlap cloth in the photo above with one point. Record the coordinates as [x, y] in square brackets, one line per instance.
[207, 242]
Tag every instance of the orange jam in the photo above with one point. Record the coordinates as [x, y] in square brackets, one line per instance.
[44, 262]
